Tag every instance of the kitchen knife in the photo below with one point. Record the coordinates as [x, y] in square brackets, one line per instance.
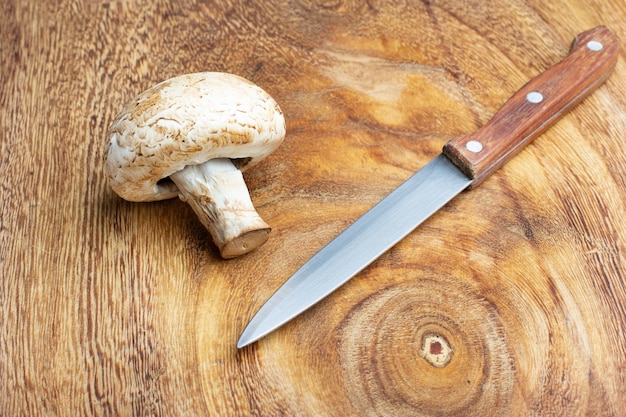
[465, 162]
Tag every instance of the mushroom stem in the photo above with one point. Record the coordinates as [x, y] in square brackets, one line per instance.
[218, 195]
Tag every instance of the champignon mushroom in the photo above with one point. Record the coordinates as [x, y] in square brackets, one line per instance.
[191, 136]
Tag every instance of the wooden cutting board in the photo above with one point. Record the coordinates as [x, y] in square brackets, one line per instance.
[510, 301]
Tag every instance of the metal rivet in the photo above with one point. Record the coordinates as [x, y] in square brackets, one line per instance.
[595, 46]
[474, 146]
[534, 97]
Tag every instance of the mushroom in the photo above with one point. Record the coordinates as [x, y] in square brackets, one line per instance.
[192, 136]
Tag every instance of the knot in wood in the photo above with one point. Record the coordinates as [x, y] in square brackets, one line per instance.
[436, 350]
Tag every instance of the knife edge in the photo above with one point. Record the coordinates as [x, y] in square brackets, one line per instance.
[371, 235]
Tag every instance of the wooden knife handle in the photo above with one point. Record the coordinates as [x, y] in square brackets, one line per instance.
[536, 106]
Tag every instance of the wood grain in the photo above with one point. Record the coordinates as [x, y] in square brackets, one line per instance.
[510, 301]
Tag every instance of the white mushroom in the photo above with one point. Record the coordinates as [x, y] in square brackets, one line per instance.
[189, 136]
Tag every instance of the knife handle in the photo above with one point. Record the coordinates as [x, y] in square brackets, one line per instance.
[536, 106]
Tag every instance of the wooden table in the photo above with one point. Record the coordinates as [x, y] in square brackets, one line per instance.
[111, 308]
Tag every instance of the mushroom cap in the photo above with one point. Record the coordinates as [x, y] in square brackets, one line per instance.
[188, 120]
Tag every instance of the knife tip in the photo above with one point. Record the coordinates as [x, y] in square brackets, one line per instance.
[247, 338]
[241, 343]
[253, 332]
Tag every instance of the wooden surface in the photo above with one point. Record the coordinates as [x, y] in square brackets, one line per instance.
[510, 301]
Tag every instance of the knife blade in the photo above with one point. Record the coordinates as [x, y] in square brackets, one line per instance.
[464, 163]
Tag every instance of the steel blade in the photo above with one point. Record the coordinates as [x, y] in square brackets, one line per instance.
[366, 239]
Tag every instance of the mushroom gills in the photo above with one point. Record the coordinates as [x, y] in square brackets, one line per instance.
[217, 193]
